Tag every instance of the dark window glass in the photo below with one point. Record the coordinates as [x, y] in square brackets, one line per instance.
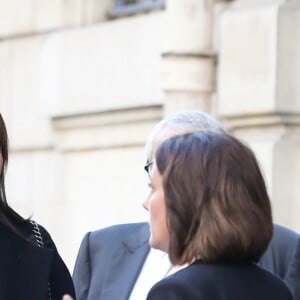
[130, 7]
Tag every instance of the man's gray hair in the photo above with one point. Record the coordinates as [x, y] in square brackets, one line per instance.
[180, 123]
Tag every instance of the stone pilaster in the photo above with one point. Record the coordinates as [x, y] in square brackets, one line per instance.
[188, 58]
[258, 95]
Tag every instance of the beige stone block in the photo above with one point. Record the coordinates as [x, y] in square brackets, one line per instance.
[16, 17]
[32, 16]
[262, 143]
[37, 176]
[5, 81]
[188, 26]
[288, 58]
[109, 66]
[35, 187]
[95, 11]
[190, 74]
[277, 150]
[105, 130]
[48, 14]
[286, 174]
[72, 12]
[176, 101]
[85, 12]
[259, 58]
[248, 60]
[29, 127]
[103, 188]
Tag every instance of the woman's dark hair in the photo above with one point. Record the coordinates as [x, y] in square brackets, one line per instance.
[8, 216]
[217, 204]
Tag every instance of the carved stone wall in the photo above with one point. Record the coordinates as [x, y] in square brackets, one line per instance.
[80, 92]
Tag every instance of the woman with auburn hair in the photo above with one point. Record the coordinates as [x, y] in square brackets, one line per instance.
[209, 209]
[31, 268]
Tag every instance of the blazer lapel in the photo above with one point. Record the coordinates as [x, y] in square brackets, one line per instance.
[126, 266]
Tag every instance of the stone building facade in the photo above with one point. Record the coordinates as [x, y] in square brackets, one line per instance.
[82, 82]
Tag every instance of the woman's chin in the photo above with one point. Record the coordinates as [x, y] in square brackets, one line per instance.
[155, 245]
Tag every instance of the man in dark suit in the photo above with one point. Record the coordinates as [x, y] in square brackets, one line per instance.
[111, 261]
[283, 258]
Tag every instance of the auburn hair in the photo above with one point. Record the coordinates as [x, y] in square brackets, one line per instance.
[216, 199]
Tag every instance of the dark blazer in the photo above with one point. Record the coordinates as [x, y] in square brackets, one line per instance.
[26, 269]
[109, 260]
[201, 281]
[283, 258]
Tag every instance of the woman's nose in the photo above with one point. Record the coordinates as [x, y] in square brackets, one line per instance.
[146, 204]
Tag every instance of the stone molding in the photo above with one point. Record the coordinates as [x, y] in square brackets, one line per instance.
[261, 120]
[105, 129]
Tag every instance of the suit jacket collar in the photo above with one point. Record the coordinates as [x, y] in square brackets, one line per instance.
[128, 262]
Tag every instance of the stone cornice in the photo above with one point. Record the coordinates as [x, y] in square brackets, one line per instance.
[259, 120]
[205, 53]
[105, 129]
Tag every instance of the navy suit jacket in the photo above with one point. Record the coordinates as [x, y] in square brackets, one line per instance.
[201, 281]
[110, 259]
[283, 258]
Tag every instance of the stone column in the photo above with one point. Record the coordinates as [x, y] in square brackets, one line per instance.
[188, 75]
[259, 92]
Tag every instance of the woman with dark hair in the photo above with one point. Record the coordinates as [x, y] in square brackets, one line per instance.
[210, 211]
[31, 267]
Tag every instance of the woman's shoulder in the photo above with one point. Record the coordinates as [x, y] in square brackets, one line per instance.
[187, 283]
[39, 231]
[207, 281]
[35, 233]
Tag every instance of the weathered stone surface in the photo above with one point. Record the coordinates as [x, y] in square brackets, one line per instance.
[247, 62]
[80, 94]
[103, 67]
